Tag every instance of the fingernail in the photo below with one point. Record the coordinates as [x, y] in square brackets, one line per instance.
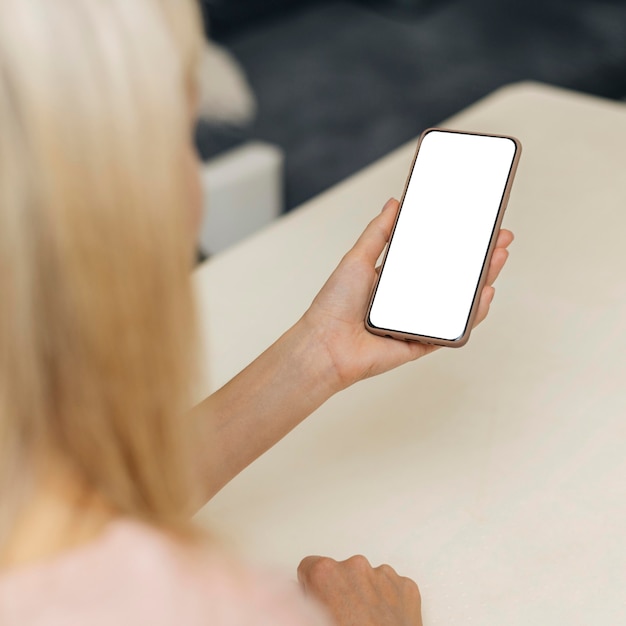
[389, 204]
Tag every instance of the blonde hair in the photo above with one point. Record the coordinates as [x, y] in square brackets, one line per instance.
[97, 329]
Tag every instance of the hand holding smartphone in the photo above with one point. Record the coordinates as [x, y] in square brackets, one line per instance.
[437, 259]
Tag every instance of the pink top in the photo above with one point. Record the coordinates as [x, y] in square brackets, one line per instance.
[135, 575]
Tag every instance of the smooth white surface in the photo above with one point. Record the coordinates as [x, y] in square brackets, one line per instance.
[438, 249]
[243, 192]
[495, 475]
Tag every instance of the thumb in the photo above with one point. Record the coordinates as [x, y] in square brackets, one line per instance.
[375, 237]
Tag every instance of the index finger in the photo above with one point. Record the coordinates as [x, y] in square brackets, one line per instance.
[305, 567]
[505, 238]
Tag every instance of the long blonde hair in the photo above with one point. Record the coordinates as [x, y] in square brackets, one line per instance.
[97, 327]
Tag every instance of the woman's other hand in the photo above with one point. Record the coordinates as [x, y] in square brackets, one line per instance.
[357, 594]
[337, 314]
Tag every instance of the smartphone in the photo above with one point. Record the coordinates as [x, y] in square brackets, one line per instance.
[437, 259]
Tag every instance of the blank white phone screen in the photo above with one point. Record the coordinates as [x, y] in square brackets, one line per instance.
[440, 242]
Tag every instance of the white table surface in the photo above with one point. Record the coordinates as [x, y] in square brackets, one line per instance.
[494, 475]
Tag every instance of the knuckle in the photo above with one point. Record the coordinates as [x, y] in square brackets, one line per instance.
[382, 233]
[411, 586]
[321, 569]
[387, 570]
[359, 563]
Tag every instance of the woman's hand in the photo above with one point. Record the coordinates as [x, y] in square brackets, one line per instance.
[338, 311]
[326, 351]
[357, 594]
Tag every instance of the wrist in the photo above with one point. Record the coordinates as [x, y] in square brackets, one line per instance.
[312, 354]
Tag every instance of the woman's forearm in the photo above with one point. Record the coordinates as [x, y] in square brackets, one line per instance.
[328, 350]
[258, 407]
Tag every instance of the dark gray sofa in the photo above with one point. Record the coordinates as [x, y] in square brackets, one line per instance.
[341, 83]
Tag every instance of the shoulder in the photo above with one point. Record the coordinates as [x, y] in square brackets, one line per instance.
[134, 574]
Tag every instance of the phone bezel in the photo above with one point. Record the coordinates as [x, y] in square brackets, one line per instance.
[464, 337]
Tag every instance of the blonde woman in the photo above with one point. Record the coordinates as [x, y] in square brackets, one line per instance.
[101, 464]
